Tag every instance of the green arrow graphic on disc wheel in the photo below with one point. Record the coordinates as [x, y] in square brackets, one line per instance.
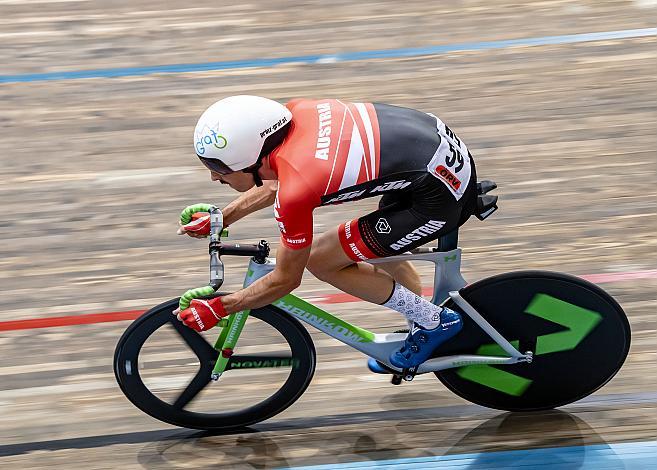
[578, 321]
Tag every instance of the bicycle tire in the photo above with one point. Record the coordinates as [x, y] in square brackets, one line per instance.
[569, 361]
[126, 369]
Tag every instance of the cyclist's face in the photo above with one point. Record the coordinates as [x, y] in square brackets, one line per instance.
[239, 180]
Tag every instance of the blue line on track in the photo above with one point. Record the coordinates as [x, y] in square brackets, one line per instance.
[328, 58]
[634, 455]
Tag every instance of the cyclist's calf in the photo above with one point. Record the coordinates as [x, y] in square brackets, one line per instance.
[404, 273]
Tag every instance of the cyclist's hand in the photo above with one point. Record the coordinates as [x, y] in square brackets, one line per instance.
[202, 314]
[195, 220]
[199, 227]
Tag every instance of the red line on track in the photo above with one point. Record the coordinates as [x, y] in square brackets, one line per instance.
[93, 318]
[84, 319]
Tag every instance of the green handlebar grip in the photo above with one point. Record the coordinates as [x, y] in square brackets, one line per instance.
[186, 214]
[224, 233]
[192, 294]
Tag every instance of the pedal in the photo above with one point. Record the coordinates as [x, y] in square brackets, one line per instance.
[409, 374]
[397, 378]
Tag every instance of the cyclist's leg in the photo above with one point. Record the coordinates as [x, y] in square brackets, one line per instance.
[434, 212]
[335, 256]
[404, 273]
[329, 263]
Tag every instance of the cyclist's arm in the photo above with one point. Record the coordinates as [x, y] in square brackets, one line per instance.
[285, 277]
[252, 200]
[294, 213]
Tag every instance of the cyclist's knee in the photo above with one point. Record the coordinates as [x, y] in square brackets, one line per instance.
[320, 267]
[326, 257]
[319, 271]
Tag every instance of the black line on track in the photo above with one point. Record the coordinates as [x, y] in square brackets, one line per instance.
[91, 442]
[592, 403]
[283, 425]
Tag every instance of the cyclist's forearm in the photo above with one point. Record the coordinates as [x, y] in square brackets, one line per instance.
[252, 200]
[285, 277]
[262, 292]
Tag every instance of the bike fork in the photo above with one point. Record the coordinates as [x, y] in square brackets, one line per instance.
[227, 341]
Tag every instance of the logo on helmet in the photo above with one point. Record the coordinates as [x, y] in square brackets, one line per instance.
[218, 140]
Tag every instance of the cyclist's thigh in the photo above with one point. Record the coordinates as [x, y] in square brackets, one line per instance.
[325, 253]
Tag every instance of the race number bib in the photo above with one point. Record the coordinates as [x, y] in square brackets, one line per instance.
[451, 162]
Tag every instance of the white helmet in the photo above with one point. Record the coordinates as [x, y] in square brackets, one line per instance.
[230, 134]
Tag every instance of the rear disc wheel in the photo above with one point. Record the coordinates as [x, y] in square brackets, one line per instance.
[578, 333]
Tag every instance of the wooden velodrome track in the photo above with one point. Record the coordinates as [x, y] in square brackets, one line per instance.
[94, 172]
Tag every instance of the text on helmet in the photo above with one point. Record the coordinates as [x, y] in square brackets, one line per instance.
[274, 127]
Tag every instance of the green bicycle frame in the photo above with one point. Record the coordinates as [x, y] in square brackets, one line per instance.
[447, 281]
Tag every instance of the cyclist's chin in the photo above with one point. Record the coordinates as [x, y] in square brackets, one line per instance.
[239, 181]
[242, 186]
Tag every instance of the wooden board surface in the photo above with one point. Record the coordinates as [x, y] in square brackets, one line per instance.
[94, 172]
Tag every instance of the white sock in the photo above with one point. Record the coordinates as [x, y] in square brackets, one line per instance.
[415, 308]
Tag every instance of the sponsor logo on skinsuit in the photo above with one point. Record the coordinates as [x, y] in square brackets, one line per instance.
[382, 226]
[390, 186]
[345, 196]
[425, 230]
[347, 230]
[324, 131]
[352, 246]
[448, 176]
[218, 140]
[295, 241]
[357, 252]
[381, 188]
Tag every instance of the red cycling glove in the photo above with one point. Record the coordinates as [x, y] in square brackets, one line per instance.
[203, 314]
[199, 225]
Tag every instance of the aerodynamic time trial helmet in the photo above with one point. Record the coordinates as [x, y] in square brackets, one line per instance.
[236, 132]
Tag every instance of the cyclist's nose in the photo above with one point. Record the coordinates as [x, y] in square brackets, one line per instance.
[215, 176]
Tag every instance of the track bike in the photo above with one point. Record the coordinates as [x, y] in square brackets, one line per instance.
[531, 340]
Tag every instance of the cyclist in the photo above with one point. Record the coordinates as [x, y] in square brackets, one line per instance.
[311, 153]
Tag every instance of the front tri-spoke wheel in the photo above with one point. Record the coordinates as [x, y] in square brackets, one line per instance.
[164, 368]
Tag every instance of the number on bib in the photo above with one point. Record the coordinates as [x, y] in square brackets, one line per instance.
[451, 162]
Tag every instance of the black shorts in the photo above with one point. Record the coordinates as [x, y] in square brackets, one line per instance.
[406, 220]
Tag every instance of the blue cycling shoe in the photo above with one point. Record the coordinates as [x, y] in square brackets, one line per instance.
[421, 343]
[375, 366]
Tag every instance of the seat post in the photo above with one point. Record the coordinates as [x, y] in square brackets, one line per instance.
[449, 241]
